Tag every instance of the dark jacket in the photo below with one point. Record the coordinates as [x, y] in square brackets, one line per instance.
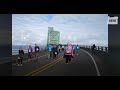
[21, 53]
[55, 49]
[94, 46]
[37, 49]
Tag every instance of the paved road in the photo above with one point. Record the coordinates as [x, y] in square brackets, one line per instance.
[82, 65]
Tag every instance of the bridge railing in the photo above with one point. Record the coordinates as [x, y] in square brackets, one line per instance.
[98, 50]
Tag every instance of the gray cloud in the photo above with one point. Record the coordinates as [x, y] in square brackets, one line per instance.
[74, 28]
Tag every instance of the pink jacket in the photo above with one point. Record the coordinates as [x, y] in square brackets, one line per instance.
[30, 51]
[69, 48]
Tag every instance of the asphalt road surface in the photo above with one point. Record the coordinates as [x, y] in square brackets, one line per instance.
[83, 64]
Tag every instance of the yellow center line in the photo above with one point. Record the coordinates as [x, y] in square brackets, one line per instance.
[47, 67]
[41, 67]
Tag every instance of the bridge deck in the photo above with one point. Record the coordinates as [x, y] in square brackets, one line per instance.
[81, 65]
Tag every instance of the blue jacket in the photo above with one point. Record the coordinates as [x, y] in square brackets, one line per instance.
[50, 47]
[77, 47]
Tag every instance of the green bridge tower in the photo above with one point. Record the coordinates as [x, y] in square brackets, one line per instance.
[53, 36]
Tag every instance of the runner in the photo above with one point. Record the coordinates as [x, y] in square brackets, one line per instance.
[68, 53]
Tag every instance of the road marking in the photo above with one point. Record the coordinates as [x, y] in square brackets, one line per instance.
[60, 59]
[41, 67]
[96, 67]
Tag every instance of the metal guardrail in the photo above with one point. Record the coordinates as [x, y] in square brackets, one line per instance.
[99, 50]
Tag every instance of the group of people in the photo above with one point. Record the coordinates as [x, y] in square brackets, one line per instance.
[53, 50]
[76, 49]
[68, 50]
[30, 52]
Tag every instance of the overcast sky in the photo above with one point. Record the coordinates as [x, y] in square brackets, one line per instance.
[85, 29]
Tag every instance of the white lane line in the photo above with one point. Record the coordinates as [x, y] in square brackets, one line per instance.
[97, 70]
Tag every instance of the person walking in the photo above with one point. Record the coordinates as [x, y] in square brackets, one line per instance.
[74, 49]
[20, 57]
[37, 49]
[77, 49]
[55, 51]
[68, 53]
[62, 47]
[50, 50]
[93, 49]
[30, 50]
[18, 60]
[59, 47]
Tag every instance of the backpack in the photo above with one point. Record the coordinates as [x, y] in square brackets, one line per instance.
[68, 50]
